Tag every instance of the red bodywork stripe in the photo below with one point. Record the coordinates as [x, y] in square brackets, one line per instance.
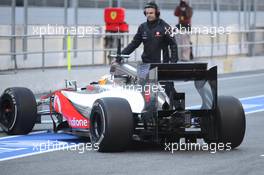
[63, 106]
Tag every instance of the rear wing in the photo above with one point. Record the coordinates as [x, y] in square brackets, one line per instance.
[205, 80]
[184, 72]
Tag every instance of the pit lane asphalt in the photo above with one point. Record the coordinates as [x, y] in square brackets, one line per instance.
[148, 159]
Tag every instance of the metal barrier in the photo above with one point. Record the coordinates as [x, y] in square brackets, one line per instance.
[244, 39]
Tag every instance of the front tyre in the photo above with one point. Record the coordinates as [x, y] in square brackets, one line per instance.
[18, 111]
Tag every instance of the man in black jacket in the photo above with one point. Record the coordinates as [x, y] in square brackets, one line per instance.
[154, 37]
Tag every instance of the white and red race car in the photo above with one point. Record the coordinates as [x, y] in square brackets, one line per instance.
[131, 103]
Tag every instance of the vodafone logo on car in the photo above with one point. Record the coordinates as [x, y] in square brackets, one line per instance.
[78, 123]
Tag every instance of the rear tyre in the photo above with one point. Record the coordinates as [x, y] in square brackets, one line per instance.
[230, 122]
[18, 111]
[111, 124]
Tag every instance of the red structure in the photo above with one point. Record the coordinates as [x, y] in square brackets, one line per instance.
[115, 19]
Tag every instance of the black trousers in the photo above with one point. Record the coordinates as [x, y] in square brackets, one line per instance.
[169, 88]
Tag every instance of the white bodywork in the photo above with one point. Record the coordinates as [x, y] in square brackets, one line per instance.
[134, 98]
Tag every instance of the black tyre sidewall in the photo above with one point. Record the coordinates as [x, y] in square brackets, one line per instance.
[7, 97]
[26, 109]
[231, 122]
[118, 124]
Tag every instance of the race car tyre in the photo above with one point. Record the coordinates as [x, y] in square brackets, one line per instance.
[18, 111]
[230, 122]
[111, 124]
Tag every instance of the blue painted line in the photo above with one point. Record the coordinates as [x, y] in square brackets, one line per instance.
[26, 145]
[253, 104]
[250, 105]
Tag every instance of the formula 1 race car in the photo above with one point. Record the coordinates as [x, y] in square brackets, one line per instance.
[132, 103]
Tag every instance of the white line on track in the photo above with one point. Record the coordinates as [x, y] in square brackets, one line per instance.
[9, 137]
[248, 98]
[36, 153]
[252, 112]
[242, 76]
[35, 132]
